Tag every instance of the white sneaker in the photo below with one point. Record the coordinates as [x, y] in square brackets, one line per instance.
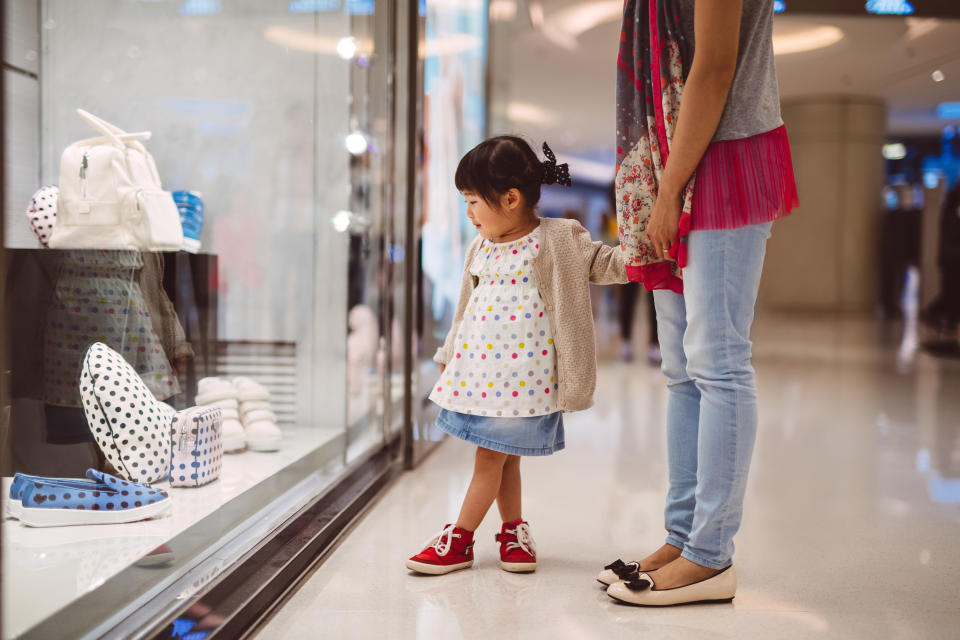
[233, 435]
[263, 436]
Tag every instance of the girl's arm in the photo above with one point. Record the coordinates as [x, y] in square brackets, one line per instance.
[467, 284]
[716, 26]
[605, 262]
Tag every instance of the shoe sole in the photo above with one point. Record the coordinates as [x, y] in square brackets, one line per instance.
[37, 517]
[273, 444]
[14, 508]
[234, 446]
[518, 567]
[673, 604]
[436, 569]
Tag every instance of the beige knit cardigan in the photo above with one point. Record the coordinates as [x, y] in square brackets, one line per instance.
[567, 263]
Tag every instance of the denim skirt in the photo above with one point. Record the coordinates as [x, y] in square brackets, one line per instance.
[533, 436]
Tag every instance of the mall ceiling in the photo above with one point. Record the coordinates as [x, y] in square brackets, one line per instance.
[562, 67]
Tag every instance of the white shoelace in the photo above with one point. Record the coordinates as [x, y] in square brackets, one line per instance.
[443, 541]
[524, 539]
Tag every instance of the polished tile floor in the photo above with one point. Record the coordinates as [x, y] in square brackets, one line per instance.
[851, 528]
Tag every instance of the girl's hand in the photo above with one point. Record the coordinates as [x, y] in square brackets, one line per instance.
[664, 221]
[443, 368]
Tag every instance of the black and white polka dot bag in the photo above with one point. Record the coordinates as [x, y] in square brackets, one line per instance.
[197, 447]
[42, 213]
[131, 426]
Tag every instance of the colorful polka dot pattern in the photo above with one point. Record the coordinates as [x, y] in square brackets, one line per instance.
[504, 361]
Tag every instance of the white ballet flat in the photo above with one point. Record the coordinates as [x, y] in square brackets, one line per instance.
[641, 591]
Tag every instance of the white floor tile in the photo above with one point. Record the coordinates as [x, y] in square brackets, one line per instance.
[851, 526]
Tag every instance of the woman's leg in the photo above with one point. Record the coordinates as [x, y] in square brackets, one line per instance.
[720, 288]
[508, 499]
[484, 487]
[683, 417]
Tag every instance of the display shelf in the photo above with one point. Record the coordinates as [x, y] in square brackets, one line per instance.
[64, 563]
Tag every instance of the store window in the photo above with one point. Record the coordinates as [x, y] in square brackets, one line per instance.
[257, 278]
[454, 121]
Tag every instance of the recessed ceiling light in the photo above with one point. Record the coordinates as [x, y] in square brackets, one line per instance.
[894, 151]
[806, 40]
[347, 48]
[356, 143]
[530, 113]
[937, 76]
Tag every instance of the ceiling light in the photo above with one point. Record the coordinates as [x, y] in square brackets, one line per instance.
[565, 26]
[312, 43]
[779, 6]
[919, 27]
[806, 40]
[503, 10]
[341, 221]
[530, 113]
[894, 151]
[937, 75]
[536, 15]
[347, 48]
[356, 143]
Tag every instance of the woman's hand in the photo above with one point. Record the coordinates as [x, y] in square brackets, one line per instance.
[664, 222]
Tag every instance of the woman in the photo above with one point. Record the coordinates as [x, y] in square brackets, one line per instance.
[704, 169]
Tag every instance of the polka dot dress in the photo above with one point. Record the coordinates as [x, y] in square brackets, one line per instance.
[97, 298]
[42, 213]
[504, 362]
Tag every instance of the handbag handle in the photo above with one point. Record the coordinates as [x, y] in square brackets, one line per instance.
[118, 136]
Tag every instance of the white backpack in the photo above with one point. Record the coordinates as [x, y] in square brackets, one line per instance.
[110, 195]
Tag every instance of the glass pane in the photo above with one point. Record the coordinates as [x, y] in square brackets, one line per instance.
[272, 125]
[454, 121]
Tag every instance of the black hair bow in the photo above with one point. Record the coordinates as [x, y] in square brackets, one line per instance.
[553, 172]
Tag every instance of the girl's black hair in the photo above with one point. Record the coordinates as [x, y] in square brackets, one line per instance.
[499, 164]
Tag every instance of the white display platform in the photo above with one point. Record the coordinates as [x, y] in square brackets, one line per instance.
[44, 569]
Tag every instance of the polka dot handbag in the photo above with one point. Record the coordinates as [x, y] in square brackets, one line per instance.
[130, 425]
[42, 213]
[197, 447]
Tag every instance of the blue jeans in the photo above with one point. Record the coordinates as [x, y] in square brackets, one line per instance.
[712, 397]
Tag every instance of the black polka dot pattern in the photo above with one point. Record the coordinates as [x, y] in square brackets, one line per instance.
[197, 447]
[131, 426]
[42, 213]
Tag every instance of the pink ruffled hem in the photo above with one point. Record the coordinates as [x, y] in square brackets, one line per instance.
[744, 181]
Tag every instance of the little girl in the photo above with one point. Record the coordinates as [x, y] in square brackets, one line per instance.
[521, 350]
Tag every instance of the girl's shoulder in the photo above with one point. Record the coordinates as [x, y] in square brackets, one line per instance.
[560, 231]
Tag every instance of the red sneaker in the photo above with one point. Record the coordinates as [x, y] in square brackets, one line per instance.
[449, 550]
[518, 553]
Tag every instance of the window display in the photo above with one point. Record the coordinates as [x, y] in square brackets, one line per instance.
[199, 301]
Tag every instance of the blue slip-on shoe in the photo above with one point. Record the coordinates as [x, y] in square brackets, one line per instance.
[22, 480]
[110, 501]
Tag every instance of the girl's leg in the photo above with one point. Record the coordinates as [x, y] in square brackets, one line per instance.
[508, 499]
[484, 487]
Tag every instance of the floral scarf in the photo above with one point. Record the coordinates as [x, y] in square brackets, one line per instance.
[651, 68]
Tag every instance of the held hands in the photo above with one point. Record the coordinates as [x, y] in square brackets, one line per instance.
[664, 221]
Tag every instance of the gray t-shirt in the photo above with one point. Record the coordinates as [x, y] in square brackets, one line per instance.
[753, 105]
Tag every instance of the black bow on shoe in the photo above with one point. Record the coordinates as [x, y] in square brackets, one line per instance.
[623, 569]
[638, 584]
